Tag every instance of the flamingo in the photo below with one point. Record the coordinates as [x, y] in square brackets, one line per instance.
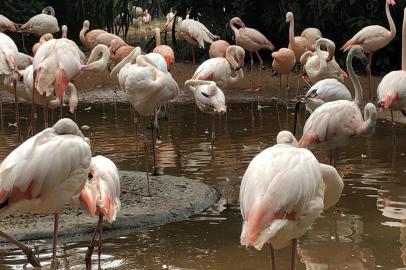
[373, 38]
[196, 34]
[118, 51]
[218, 48]
[392, 89]
[8, 54]
[283, 62]
[41, 24]
[97, 36]
[208, 96]
[298, 44]
[320, 65]
[283, 191]
[100, 197]
[334, 123]
[6, 24]
[251, 40]
[42, 175]
[23, 60]
[220, 69]
[312, 35]
[146, 86]
[164, 50]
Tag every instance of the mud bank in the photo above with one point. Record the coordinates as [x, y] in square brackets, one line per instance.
[177, 198]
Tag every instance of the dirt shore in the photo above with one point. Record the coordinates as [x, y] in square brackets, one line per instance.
[177, 198]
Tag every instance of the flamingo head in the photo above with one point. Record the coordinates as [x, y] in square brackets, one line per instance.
[6, 24]
[237, 20]
[169, 61]
[385, 102]
[391, 2]
[289, 16]
[86, 24]
[286, 137]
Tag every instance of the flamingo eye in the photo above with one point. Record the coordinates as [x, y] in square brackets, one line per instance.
[204, 94]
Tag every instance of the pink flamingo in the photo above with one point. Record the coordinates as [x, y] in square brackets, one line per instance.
[283, 62]
[218, 48]
[8, 54]
[298, 44]
[97, 36]
[118, 51]
[100, 197]
[251, 40]
[42, 175]
[392, 89]
[195, 33]
[312, 35]
[373, 38]
[209, 97]
[283, 191]
[220, 69]
[41, 24]
[42, 40]
[6, 24]
[334, 123]
[164, 50]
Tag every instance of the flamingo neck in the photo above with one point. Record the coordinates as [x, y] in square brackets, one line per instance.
[236, 32]
[322, 60]
[370, 115]
[230, 57]
[73, 100]
[157, 37]
[292, 32]
[125, 61]
[354, 79]
[404, 41]
[100, 64]
[239, 75]
[390, 20]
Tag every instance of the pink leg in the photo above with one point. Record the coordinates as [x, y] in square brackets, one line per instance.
[261, 65]
[17, 113]
[32, 259]
[252, 71]
[272, 257]
[55, 238]
[99, 251]
[90, 248]
[298, 79]
[294, 249]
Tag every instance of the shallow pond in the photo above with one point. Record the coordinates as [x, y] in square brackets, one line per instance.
[366, 230]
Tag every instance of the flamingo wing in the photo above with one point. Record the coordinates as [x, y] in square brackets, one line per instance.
[256, 37]
[275, 187]
[370, 34]
[329, 90]
[214, 69]
[333, 185]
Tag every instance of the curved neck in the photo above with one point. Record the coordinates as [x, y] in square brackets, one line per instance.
[368, 127]
[322, 60]
[144, 61]
[354, 79]
[100, 64]
[404, 41]
[230, 58]
[292, 32]
[157, 37]
[82, 34]
[236, 32]
[390, 20]
[239, 75]
[73, 99]
[122, 63]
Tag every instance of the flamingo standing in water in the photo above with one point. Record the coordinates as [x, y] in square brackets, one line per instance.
[164, 50]
[100, 197]
[6, 24]
[97, 36]
[334, 123]
[251, 40]
[283, 191]
[392, 89]
[208, 96]
[373, 38]
[283, 62]
[42, 175]
[218, 48]
[220, 69]
[196, 33]
[41, 24]
[322, 65]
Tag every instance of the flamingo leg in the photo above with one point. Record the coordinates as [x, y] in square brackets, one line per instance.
[90, 248]
[55, 237]
[294, 249]
[252, 71]
[32, 259]
[272, 250]
[261, 65]
[369, 73]
[213, 131]
[46, 116]
[153, 146]
[298, 80]
[17, 113]
[100, 227]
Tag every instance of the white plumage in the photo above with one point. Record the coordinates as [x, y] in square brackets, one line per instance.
[196, 33]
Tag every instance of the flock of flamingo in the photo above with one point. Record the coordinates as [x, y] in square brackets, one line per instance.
[284, 189]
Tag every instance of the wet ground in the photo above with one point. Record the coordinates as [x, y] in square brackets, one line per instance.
[364, 231]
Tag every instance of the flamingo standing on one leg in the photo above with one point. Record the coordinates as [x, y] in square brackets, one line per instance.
[373, 38]
[283, 191]
[220, 69]
[42, 175]
[283, 62]
[6, 24]
[195, 33]
[334, 123]
[100, 197]
[218, 48]
[392, 89]
[251, 40]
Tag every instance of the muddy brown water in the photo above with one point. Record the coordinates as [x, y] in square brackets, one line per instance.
[366, 230]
